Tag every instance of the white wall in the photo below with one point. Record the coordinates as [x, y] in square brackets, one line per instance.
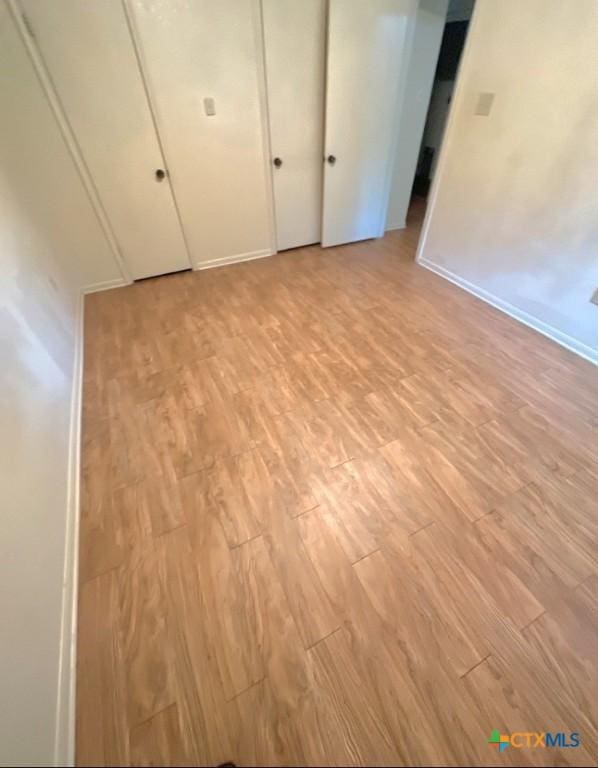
[514, 211]
[426, 30]
[219, 165]
[50, 245]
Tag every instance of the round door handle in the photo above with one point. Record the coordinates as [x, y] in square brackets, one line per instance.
[331, 159]
[160, 174]
[277, 162]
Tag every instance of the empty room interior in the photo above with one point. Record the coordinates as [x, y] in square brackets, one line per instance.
[299, 396]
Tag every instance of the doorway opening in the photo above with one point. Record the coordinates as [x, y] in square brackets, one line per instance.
[451, 50]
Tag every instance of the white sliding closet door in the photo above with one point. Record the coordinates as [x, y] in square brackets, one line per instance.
[203, 61]
[366, 40]
[89, 54]
[295, 48]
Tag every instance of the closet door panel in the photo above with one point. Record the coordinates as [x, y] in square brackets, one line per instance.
[91, 59]
[294, 43]
[366, 43]
[203, 61]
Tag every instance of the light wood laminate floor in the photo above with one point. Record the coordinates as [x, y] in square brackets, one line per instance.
[335, 510]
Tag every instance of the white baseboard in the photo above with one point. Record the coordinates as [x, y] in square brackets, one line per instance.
[106, 285]
[64, 744]
[209, 264]
[396, 225]
[235, 259]
[578, 347]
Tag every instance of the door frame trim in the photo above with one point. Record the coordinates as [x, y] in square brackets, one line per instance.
[399, 101]
[262, 86]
